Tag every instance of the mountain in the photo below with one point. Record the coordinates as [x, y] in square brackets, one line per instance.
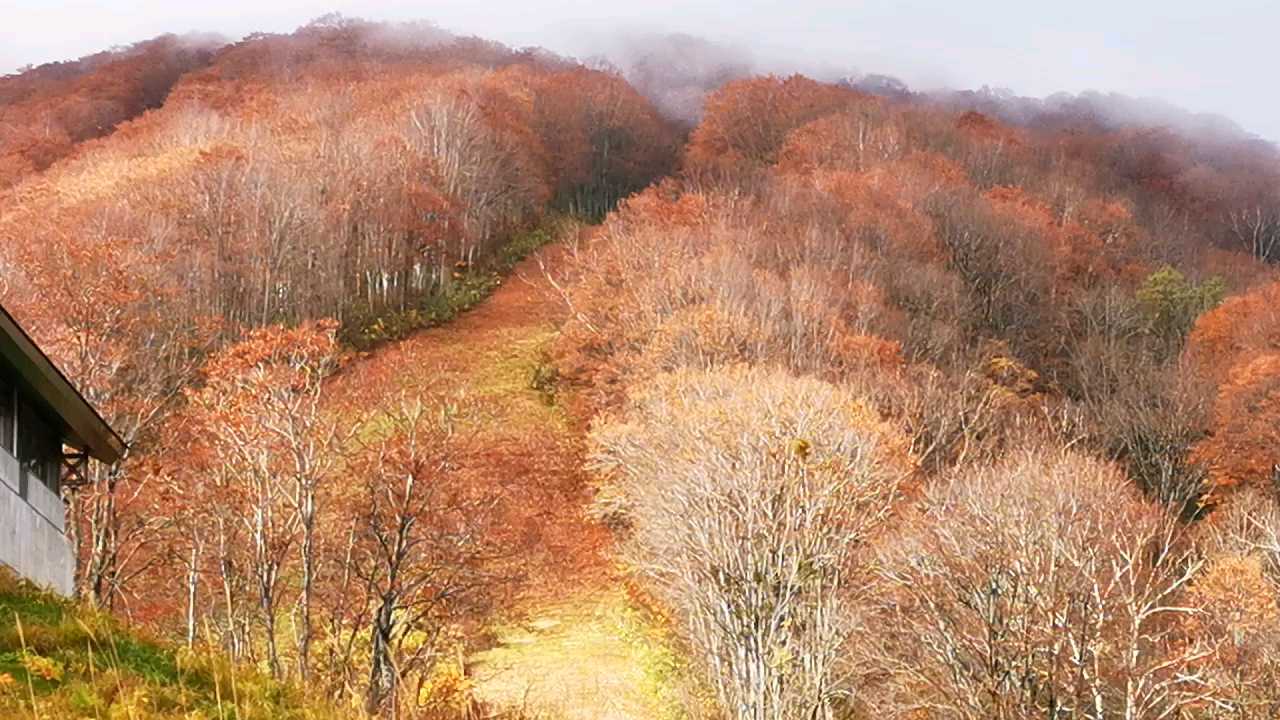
[467, 379]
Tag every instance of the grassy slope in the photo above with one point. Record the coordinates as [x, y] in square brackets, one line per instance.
[60, 660]
[572, 645]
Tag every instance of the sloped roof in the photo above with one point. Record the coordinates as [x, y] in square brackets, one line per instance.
[82, 427]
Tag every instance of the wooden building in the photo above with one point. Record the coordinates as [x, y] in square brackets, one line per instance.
[47, 433]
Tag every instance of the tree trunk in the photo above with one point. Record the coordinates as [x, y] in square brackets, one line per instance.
[308, 581]
[193, 581]
[381, 699]
[269, 625]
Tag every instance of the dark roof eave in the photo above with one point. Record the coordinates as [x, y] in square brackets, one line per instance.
[85, 427]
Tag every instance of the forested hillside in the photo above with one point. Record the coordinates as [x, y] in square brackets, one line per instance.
[47, 111]
[843, 402]
[909, 413]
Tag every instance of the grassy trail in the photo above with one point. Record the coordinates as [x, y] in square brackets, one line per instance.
[570, 645]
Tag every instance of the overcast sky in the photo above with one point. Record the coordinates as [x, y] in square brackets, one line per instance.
[1205, 55]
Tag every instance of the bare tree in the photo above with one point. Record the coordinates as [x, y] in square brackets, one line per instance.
[1042, 586]
[1256, 230]
[427, 539]
[263, 412]
[747, 494]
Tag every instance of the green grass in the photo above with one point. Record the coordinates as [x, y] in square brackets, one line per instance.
[512, 373]
[61, 660]
[667, 677]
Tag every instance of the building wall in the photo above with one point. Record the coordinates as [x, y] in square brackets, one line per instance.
[31, 537]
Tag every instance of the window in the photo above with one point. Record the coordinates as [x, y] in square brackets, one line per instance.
[7, 416]
[39, 449]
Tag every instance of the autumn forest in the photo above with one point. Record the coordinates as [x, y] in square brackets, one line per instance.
[464, 381]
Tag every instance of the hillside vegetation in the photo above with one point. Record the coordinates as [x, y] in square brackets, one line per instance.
[843, 402]
[908, 413]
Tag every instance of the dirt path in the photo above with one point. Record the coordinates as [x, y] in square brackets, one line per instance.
[570, 646]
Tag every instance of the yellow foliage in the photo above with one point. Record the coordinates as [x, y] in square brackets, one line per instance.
[447, 688]
[1011, 375]
[42, 667]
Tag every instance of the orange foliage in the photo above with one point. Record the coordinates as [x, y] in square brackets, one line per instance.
[1235, 592]
[47, 111]
[1238, 617]
[982, 127]
[698, 281]
[344, 170]
[886, 202]
[605, 141]
[1243, 447]
[746, 122]
[846, 140]
[827, 261]
[1082, 257]
[1240, 328]
[1237, 347]
[665, 204]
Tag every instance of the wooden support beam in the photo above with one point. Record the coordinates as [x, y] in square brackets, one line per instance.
[74, 467]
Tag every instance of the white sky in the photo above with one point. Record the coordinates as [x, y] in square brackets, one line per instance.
[1205, 55]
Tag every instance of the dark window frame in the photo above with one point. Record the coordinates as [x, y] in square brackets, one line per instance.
[8, 417]
[39, 450]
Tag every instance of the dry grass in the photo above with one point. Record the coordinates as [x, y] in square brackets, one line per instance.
[588, 656]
